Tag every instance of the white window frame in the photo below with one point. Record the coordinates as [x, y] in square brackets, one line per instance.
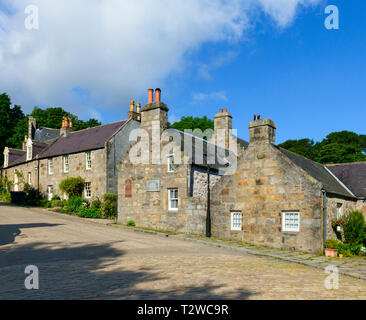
[88, 160]
[49, 192]
[171, 199]
[339, 210]
[29, 178]
[292, 227]
[66, 164]
[29, 152]
[6, 160]
[87, 190]
[50, 166]
[236, 220]
[16, 182]
[170, 160]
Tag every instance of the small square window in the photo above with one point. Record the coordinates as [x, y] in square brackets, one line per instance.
[173, 199]
[236, 221]
[88, 193]
[291, 221]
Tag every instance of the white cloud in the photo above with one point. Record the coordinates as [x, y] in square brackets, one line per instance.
[113, 49]
[218, 95]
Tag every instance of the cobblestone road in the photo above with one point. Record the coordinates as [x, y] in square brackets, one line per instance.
[78, 259]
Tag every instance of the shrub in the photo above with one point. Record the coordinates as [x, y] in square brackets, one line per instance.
[56, 203]
[90, 213]
[344, 248]
[130, 223]
[332, 243]
[75, 204]
[32, 196]
[73, 187]
[109, 206]
[45, 203]
[5, 196]
[354, 228]
[96, 203]
[56, 197]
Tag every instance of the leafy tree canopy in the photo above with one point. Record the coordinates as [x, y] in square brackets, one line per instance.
[193, 123]
[337, 147]
[14, 124]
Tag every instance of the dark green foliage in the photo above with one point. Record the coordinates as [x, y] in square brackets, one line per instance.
[45, 203]
[96, 203]
[109, 206]
[304, 147]
[130, 223]
[93, 213]
[194, 123]
[5, 185]
[14, 125]
[332, 243]
[75, 204]
[9, 117]
[72, 186]
[354, 228]
[337, 147]
[32, 196]
[56, 197]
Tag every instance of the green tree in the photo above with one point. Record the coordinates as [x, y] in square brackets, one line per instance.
[49, 118]
[304, 147]
[72, 186]
[9, 117]
[193, 123]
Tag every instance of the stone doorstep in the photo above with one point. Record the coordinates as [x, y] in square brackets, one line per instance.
[316, 262]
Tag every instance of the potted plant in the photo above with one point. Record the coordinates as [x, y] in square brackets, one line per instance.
[331, 247]
[337, 224]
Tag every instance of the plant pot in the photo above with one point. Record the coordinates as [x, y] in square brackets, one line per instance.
[331, 252]
[339, 228]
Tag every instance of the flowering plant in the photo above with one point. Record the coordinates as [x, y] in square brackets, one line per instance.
[337, 222]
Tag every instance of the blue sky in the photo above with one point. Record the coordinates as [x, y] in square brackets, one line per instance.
[307, 79]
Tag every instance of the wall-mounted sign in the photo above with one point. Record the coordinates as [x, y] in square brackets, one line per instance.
[153, 185]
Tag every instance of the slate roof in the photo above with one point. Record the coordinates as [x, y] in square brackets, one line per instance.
[318, 172]
[353, 175]
[83, 140]
[213, 155]
[45, 134]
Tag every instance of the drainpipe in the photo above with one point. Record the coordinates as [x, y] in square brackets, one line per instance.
[324, 216]
[208, 214]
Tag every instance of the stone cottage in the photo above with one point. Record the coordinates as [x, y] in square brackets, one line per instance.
[50, 155]
[283, 200]
[162, 193]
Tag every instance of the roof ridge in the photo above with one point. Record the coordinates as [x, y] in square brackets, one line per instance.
[102, 125]
[345, 163]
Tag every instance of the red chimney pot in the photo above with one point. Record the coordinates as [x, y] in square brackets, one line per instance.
[157, 94]
[150, 95]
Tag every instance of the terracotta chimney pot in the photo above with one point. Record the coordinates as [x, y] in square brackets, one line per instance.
[150, 96]
[157, 94]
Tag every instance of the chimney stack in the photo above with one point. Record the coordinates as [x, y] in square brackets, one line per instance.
[132, 114]
[138, 107]
[154, 111]
[222, 124]
[66, 126]
[32, 126]
[262, 130]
